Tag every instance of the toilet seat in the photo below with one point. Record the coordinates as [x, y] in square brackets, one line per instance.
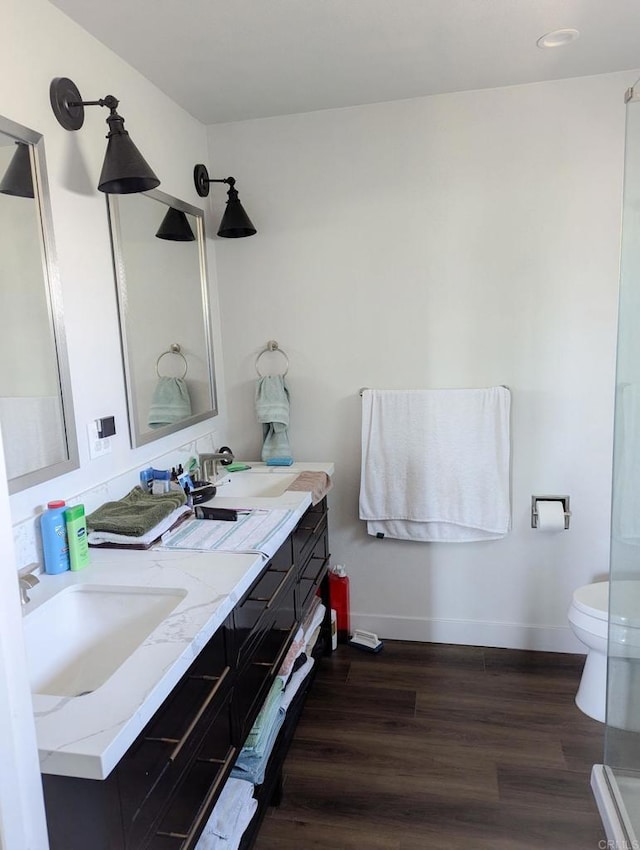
[593, 600]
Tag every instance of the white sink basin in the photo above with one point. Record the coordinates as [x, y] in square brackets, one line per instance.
[255, 484]
[77, 639]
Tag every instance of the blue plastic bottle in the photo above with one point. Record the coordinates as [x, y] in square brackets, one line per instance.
[54, 539]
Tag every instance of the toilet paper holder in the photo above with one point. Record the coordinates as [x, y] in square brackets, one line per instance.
[565, 507]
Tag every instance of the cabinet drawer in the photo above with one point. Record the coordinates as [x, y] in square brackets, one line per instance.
[253, 683]
[215, 655]
[151, 767]
[189, 808]
[308, 530]
[315, 571]
[255, 614]
[309, 568]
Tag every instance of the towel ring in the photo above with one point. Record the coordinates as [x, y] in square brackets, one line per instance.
[174, 348]
[272, 345]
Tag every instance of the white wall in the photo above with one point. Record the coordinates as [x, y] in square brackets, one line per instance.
[41, 43]
[469, 239]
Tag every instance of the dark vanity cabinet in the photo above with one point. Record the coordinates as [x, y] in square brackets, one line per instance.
[163, 790]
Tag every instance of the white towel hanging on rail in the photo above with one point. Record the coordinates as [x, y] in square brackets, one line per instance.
[435, 464]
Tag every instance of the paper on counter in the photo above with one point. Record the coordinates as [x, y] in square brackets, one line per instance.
[256, 531]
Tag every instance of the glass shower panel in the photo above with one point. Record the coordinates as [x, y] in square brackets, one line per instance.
[622, 739]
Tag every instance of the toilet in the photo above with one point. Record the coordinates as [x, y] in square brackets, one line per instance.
[588, 617]
[589, 620]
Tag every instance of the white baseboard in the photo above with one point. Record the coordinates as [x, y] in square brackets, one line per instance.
[470, 632]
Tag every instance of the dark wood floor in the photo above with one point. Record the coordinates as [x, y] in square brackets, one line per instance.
[437, 747]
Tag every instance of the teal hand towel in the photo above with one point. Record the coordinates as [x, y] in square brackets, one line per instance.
[170, 402]
[272, 410]
[136, 513]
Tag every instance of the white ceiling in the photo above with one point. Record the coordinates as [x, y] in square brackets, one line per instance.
[228, 60]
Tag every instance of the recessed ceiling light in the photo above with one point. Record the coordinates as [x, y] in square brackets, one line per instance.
[558, 38]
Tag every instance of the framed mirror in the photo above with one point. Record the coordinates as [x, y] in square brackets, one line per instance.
[36, 407]
[160, 268]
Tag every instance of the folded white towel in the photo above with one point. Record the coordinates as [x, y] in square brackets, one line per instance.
[435, 464]
[295, 683]
[313, 622]
[230, 817]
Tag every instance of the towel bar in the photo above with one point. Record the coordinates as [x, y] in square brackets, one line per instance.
[362, 389]
[272, 345]
[174, 348]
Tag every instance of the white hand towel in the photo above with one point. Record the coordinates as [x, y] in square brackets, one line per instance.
[435, 464]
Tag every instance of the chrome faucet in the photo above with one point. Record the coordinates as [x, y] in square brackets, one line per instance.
[27, 580]
[209, 461]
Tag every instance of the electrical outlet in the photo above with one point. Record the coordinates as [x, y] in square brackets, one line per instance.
[97, 447]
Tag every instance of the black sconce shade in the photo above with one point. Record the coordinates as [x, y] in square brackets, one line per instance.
[124, 170]
[175, 227]
[17, 178]
[235, 222]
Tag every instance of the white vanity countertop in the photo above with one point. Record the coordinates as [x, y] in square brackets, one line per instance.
[86, 736]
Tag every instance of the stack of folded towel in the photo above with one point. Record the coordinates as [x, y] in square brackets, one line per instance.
[137, 520]
[252, 762]
[230, 817]
[261, 730]
[312, 624]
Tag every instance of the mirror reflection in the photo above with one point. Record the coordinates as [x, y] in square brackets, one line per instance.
[159, 262]
[36, 413]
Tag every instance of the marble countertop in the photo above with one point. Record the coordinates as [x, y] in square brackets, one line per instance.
[86, 736]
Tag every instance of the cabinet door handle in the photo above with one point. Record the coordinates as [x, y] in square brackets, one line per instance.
[211, 696]
[269, 599]
[205, 809]
[313, 530]
[277, 664]
[281, 585]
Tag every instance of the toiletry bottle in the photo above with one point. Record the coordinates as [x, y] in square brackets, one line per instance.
[54, 539]
[339, 596]
[161, 482]
[77, 536]
[146, 479]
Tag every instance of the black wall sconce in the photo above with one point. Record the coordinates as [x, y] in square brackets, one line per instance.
[124, 169]
[235, 222]
[17, 180]
[175, 227]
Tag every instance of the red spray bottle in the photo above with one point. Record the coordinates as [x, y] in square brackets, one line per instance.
[339, 600]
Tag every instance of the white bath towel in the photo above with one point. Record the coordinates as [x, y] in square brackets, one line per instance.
[435, 464]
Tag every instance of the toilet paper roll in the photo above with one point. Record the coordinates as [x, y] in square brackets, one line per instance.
[550, 516]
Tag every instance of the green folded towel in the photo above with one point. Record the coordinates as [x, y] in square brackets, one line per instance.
[236, 467]
[264, 720]
[135, 514]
